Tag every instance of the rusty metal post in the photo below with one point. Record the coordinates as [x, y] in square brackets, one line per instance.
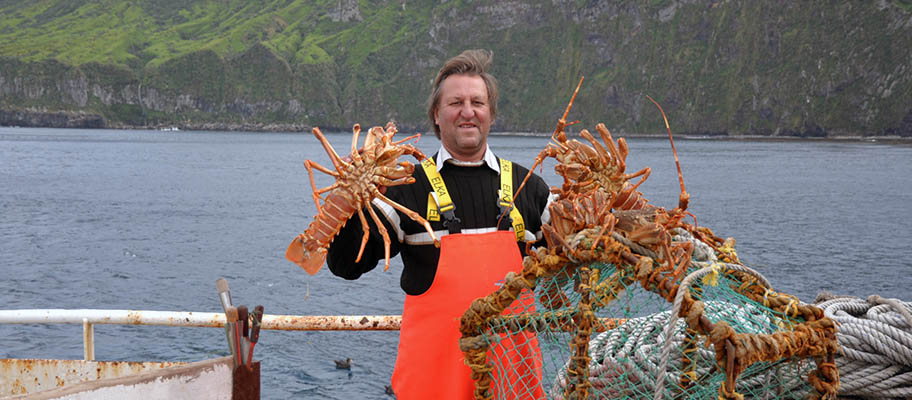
[245, 382]
[88, 340]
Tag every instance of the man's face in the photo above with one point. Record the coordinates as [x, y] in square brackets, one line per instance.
[464, 116]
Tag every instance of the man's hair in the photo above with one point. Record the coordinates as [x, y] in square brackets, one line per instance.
[470, 62]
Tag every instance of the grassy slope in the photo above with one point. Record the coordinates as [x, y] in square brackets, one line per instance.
[736, 66]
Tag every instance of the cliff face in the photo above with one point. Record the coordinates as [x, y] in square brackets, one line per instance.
[717, 67]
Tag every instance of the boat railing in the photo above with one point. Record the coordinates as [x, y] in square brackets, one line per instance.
[91, 317]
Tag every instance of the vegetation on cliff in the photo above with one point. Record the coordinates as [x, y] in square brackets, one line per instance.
[733, 67]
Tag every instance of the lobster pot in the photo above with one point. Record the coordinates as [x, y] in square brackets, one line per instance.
[593, 331]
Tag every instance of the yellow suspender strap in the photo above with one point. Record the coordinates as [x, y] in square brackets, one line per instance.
[432, 213]
[453, 224]
[443, 196]
[506, 196]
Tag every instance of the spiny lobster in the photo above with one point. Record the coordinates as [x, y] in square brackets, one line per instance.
[595, 184]
[358, 178]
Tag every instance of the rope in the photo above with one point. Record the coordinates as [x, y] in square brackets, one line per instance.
[636, 248]
[875, 336]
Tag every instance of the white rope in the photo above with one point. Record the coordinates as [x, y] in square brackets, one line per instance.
[875, 340]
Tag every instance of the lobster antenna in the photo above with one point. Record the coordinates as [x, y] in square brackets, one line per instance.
[684, 195]
[561, 123]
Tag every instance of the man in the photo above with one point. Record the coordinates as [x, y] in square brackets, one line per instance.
[474, 252]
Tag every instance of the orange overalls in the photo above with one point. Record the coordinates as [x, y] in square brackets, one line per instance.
[430, 364]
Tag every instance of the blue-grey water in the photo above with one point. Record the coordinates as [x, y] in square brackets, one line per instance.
[149, 220]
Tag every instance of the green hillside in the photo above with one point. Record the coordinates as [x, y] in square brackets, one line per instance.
[810, 68]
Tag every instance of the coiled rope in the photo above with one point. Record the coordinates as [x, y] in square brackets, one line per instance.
[875, 337]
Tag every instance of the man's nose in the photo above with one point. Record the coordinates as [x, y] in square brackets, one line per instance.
[466, 110]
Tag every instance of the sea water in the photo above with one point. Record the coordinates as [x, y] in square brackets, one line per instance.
[148, 220]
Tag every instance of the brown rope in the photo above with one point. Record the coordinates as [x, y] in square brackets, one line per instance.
[578, 370]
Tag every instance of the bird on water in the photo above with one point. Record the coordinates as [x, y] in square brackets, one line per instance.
[343, 364]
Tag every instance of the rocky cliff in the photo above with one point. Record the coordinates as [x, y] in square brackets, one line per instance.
[735, 67]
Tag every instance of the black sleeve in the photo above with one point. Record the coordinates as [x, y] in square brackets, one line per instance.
[344, 248]
[541, 194]
[533, 200]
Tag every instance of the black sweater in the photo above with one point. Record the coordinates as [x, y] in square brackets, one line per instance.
[474, 193]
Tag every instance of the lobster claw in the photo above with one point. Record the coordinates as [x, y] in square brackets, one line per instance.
[310, 261]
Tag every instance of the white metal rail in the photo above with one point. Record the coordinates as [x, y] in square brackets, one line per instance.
[91, 317]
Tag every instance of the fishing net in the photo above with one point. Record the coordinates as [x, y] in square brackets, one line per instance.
[603, 322]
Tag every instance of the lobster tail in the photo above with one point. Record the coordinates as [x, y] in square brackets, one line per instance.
[311, 261]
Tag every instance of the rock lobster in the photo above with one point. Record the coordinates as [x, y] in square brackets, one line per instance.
[358, 179]
[598, 193]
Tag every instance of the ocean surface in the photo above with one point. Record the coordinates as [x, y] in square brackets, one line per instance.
[149, 220]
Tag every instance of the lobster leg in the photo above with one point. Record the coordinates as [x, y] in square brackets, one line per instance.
[411, 214]
[390, 176]
[684, 262]
[383, 233]
[336, 160]
[396, 182]
[310, 165]
[328, 188]
[366, 228]
[607, 226]
[321, 168]
[412, 151]
[620, 159]
[356, 130]
[553, 238]
[316, 195]
[602, 154]
[645, 174]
